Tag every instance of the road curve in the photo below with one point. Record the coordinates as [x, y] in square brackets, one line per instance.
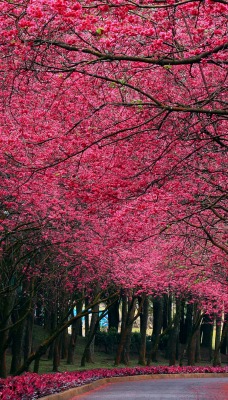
[165, 389]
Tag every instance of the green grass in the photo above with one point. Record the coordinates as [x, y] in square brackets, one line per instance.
[101, 359]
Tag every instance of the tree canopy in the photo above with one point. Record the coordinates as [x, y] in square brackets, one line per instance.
[113, 144]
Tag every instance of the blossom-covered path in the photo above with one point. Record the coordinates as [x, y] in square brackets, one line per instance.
[178, 389]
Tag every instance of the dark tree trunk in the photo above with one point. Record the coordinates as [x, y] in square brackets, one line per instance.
[6, 306]
[113, 316]
[36, 365]
[128, 316]
[124, 312]
[206, 329]
[194, 336]
[198, 346]
[86, 319]
[52, 326]
[89, 348]
[72, 344]
[167, 314]
[56, 354]
[28, 335]
[18, 318]
[157, 326]
[188, 321]
[143, 329]
[183, 332]
[17, 341]
[173, 340]
[76, 326]
[39, 317]
[192, 350]
[186, 329]
[47, 317]
[43, 347]
[129, 324]
[207, 334]
[217, 354]
[64, 344]
[51, 351]
[224, 340]
[125, 359]
[94, 326]
[192, 325]
[3, 340]
[123, 332]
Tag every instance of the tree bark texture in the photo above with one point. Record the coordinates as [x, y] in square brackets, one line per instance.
[143, 330]
[157, 327]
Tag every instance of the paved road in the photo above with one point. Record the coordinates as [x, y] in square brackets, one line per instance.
[164, 389]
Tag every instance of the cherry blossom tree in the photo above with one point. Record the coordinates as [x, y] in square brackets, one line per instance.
[113, 141]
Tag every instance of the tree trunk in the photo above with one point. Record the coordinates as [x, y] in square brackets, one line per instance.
[125, 358]
[6, 306]
[192, 350]
[17, 340]
[143, 329]
[207, 334]
[89, 348]
[36, 365]
[167, 311]
[52, 327]
[173, 340]
[194, 335]
[113, 316]
[3, 340]
[198, 347]
[19, 316]
[217, 354]
[39, 317]
[186, 330]
[157, 326]
[72, 343]
[64, 344]
[193, 321]
[86, 319]
[123, 332]
[183, 332]
[56, 354]
[128, 312]
[28, 335]
[224, 339]
[73, 337]
[47, 342]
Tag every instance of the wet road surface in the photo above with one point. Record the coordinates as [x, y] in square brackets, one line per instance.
[164, 389]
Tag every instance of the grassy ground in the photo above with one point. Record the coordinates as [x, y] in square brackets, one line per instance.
[101, 359]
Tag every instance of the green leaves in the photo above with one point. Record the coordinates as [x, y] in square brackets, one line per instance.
[138, 102]
[99, 31]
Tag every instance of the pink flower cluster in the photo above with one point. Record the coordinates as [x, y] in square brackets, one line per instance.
[32, 386]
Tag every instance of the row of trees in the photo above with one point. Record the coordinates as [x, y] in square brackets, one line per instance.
[180, 330]
[113, 157]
